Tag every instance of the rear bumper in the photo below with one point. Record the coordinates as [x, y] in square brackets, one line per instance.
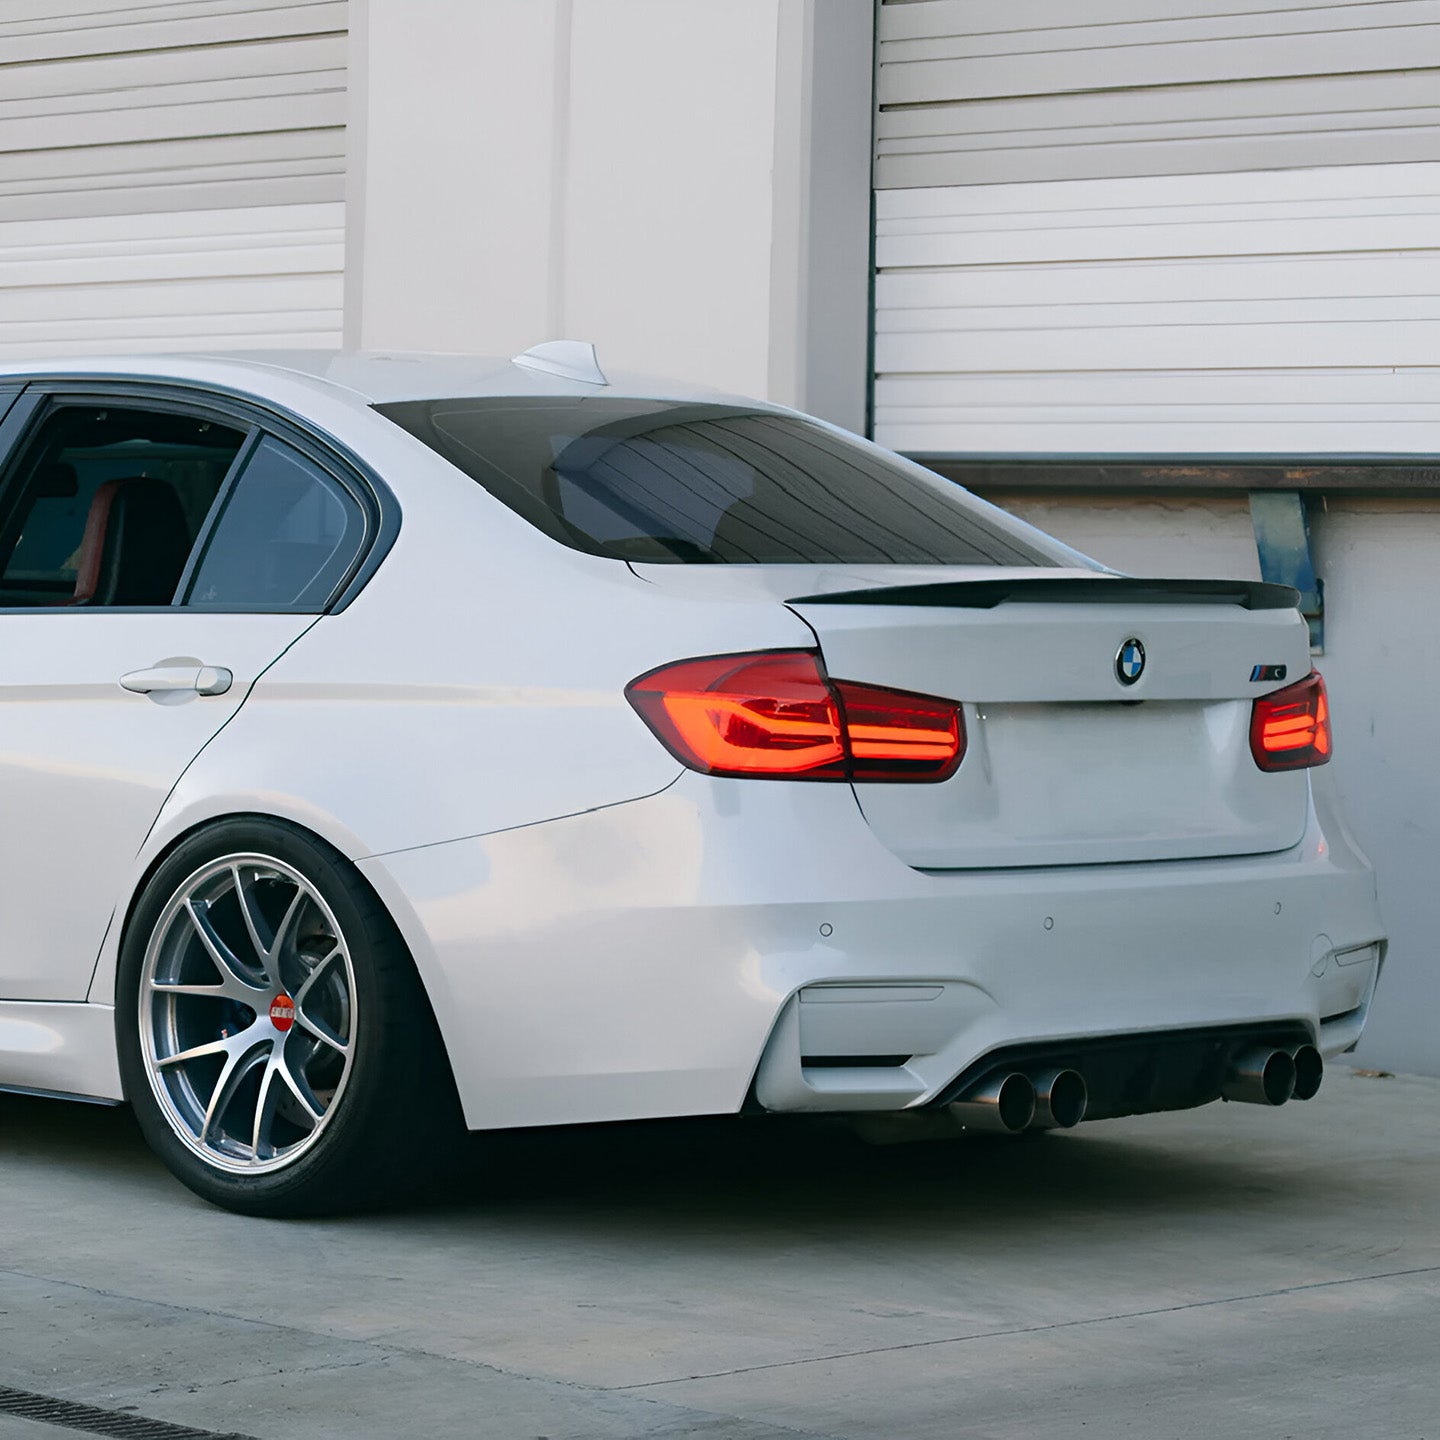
[677, 954]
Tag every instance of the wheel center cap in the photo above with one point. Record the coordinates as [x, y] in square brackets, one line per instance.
[282, 1012]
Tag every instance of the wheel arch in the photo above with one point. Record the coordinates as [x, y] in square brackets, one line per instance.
[103, 986]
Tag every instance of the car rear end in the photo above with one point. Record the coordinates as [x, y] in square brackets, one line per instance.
[1001, 839]
[1077, 866]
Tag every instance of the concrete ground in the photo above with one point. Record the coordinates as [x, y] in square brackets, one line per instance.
[1231, 1272]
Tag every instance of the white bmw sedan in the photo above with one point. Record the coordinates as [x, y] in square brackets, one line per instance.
[391, 743]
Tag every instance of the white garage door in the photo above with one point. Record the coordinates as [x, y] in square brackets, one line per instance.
[1186, 225]
[171, 174]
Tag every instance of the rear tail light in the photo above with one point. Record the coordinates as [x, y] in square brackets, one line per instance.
[893, 735]
[778, 714]
[1290, 728]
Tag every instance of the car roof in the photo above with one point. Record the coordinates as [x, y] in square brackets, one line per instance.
[373, 377]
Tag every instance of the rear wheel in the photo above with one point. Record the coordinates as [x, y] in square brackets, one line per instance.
[274, 1038]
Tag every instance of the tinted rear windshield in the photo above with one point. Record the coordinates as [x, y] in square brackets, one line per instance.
[653, 481]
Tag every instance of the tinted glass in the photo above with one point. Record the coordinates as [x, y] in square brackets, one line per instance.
[651, 481]
[286, 538]
[105, 503]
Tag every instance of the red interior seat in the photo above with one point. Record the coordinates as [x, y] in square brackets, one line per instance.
[135, 545]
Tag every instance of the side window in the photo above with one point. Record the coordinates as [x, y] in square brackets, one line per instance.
[104, 504]
[285, 540]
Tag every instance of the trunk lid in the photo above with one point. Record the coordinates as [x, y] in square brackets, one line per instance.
[1067, 762]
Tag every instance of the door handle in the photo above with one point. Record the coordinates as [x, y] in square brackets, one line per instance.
[202, 679]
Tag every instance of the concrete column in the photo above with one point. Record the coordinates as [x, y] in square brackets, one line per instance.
[686, 184]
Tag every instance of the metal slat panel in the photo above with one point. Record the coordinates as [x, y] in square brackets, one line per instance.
[1223, 280]
[298, 185]
[1270, 430]
[170, 304]
[970, 32]
[31, 15]
[42, 42]
[1169, 314]
[927, 18]
[1266, 124]
[171, 173]
[1086, 316]
[250, 116]
[42, 262]
[169, 162]
[203, 227]
[1249, 58]
[1183, 238]
[115, 79]
[1161, 346]
[1403, 391]
[982, 93]
[1384, 183]
[1135, 113]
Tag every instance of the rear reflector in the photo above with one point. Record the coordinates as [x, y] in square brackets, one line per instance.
[776, 714]
[1290, 728]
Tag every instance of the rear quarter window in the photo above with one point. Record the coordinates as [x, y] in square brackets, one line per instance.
[287, 537]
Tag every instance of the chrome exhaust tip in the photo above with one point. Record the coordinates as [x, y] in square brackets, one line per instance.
[1003, 1102]
[1309, 1071]
[1261, 1076]
[1060, 1099]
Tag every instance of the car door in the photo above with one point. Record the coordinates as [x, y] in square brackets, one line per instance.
[131, 630]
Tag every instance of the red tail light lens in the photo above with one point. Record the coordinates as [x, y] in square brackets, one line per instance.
[1290, 729]
[777, 714]
[745, 715]
[893, 735]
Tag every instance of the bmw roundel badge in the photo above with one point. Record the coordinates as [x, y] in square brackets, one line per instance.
[1130, 662]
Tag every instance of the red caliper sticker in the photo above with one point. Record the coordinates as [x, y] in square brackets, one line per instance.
[282, 1012]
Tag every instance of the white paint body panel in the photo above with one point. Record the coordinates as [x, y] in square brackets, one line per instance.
[605, 935]
[637, 961]
[1057, 770]
[85, 767]
[59, 1049]
[1025, 653]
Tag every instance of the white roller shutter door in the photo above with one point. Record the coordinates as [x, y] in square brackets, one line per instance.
[1149, 232]
[171, 174]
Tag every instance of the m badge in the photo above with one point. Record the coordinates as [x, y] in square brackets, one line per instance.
[1267, 672]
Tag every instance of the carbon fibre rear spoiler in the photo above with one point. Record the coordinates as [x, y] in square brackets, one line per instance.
[1101, 590]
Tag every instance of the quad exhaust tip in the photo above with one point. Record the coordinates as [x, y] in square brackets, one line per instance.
[1262, 1076]
[1049, 1099]
[1309, 1071]
[1003, 1102]
[1060, 1099]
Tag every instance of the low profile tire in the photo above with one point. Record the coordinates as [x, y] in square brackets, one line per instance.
[275, 1041]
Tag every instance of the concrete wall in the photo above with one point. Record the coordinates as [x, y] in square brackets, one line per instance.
[1381, 660]
[684, 183]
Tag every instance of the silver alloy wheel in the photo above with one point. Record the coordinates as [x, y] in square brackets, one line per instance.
[247, 1013]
